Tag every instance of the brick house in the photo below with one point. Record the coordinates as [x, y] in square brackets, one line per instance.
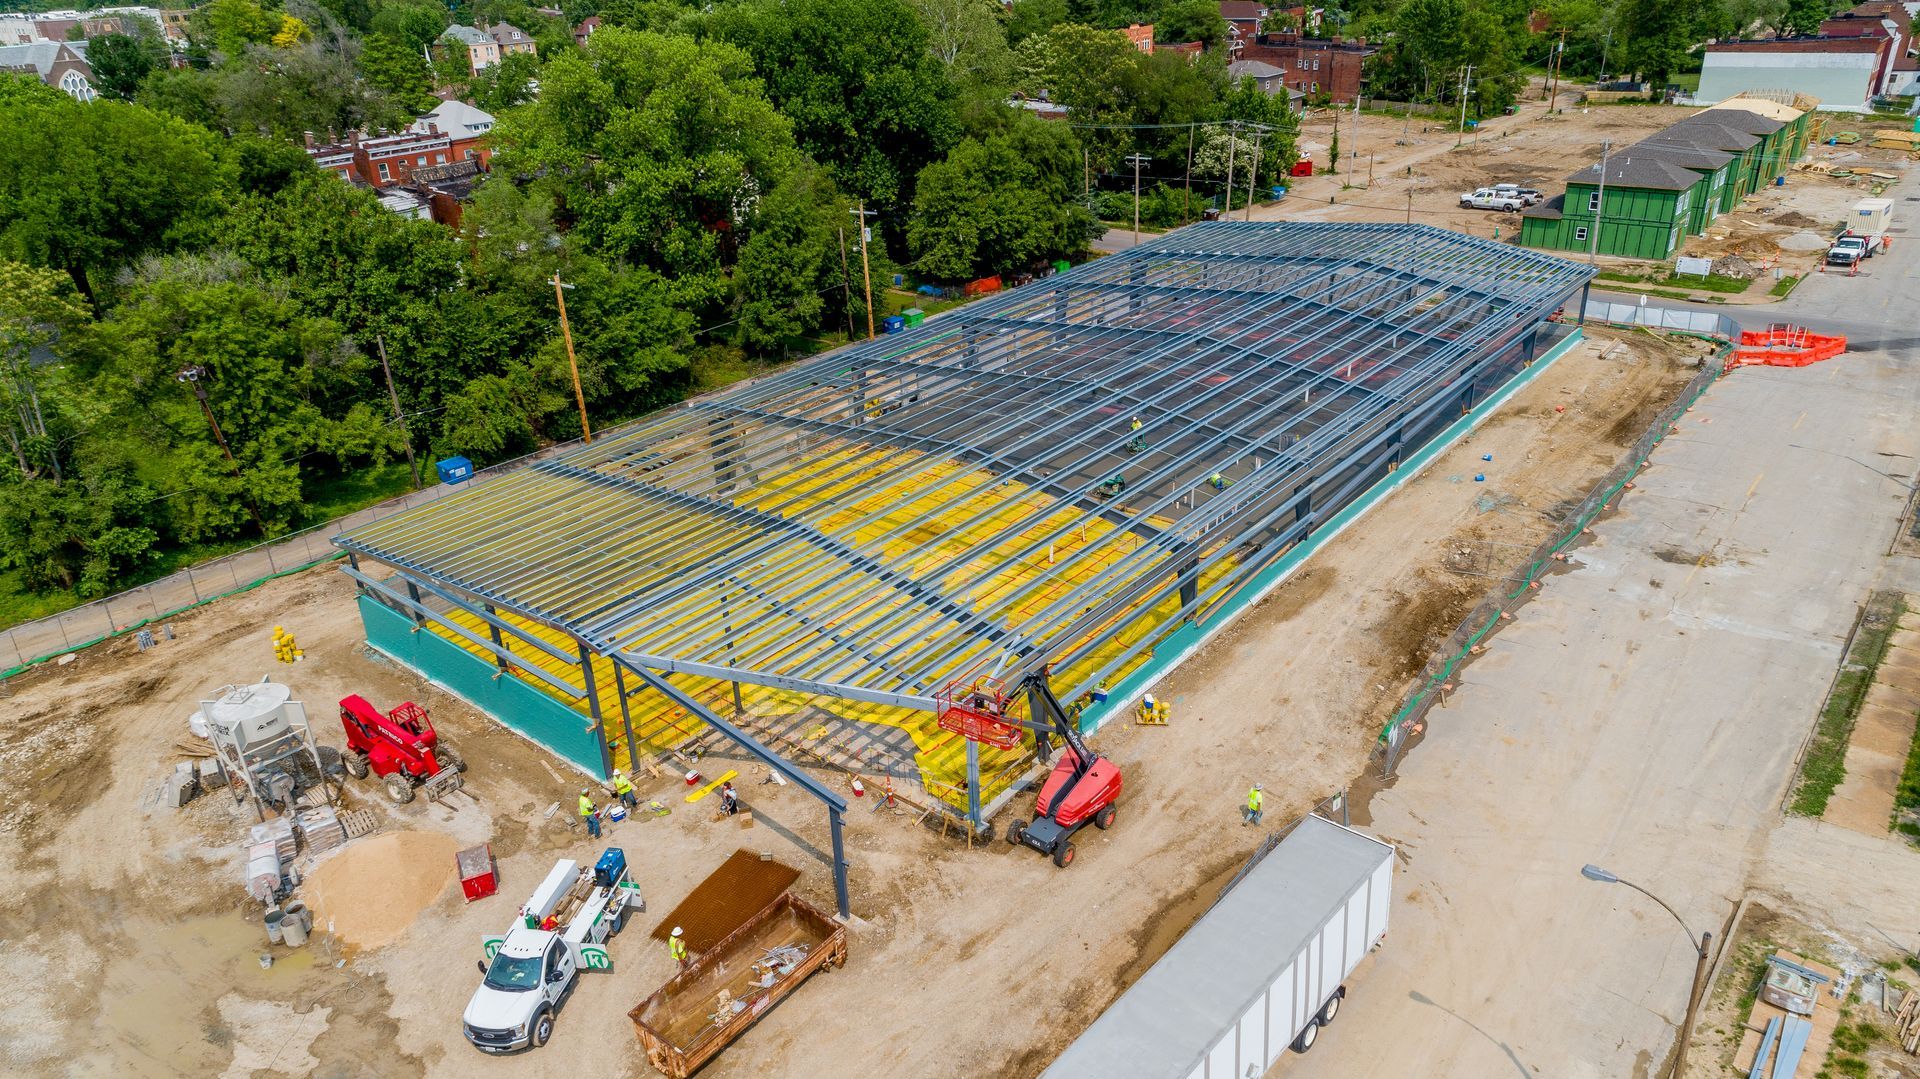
[1140, 37]
[1878, 19]
[1313, 66]
[585, 30]
[1243, 23]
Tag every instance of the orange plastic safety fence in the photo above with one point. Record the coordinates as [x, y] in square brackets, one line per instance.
[1785, 346]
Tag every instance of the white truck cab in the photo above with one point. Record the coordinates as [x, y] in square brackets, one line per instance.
[559, 932]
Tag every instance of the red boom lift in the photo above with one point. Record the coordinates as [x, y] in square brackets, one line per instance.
[400, 745]
[1081, 789]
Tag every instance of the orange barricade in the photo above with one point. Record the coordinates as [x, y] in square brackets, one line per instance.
[1784, 346]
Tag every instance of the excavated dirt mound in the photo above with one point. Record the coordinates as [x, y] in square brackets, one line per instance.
[370, 892]
[741, 888]
[1795, 219]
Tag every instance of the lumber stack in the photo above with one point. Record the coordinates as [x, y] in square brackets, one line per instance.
[1906, 1023]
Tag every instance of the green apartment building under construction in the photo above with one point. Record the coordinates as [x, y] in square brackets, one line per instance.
[1673, 184]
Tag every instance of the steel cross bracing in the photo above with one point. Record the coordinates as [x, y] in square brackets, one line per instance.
[728, 537]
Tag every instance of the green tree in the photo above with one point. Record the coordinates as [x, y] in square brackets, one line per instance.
[1801, 17]
[187, 93]
[1191, 20]
[84, 188]
[84, 533]
[1094, 73]
[1659, 34]
[788, 261]
[310, 87]
[38, 308]
[967, 38]
[657, 146]
[1031, 18]
[857, 79]
[121, 61]
[506, 84]
[399, 70]
[229, 26]
[417, 23]
[1001, 205]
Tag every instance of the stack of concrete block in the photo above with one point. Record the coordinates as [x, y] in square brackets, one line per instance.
[182, 785]
[279, 832]
[322, 829]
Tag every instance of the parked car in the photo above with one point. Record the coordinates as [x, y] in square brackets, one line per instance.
[1847, 251]
[1527, 195]
[1487, 198]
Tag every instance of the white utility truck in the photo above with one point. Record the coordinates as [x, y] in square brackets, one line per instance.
[1486, 198]
[560, 931]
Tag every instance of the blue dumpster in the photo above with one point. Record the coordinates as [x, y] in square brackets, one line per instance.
[1277, 192]
[454, 469]
[892, 324]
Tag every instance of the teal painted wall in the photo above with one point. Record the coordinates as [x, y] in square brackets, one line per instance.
[503, 696]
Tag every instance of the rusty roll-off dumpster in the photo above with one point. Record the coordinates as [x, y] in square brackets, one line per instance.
[704, 1008]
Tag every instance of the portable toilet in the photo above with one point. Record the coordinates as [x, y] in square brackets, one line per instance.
[914, 316]
[892, 324]
[454, 469]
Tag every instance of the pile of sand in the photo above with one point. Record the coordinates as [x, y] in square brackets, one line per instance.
[1804, 241]
[373, 889]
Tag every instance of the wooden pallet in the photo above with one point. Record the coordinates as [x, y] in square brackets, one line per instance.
[359, 822]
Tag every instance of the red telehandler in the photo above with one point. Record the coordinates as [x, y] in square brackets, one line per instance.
[400, 745]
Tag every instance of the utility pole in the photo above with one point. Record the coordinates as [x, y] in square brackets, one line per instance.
[194, 375]
[1187, 213]
[1599, 202]
[1135, 160]
[866, 268]
[566, 333]
[398, 416]
[1353, 152]
[846, 283]
[1466, 86]
[1559, 57]
[1253, 174]
[1409, 206]
[1233, 140]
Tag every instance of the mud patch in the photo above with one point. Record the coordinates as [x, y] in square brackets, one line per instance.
[1426, 617]
[1299, 593]
[1678, 557]
[1152, 940]
[270, 1036]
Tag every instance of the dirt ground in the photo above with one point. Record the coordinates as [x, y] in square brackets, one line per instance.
[1410, 166]
[141, 907]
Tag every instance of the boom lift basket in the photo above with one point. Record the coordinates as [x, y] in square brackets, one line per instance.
[977, 710]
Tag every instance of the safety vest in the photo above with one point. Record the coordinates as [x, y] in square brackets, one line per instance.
[586, 806]
[620, 785]
[1253, 800]
[676, 947]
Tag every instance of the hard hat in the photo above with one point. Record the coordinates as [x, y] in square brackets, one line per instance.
[584, 791]
[676, 930]
[1256, 786]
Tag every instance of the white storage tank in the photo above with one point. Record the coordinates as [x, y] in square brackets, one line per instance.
[1256, 974]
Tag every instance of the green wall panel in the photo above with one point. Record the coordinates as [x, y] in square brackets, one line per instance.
[530, 711]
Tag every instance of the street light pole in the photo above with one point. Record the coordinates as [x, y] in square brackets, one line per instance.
[1599, 202]
[1135, 160]
[1703, 952]
[566, 331]
[866, 269]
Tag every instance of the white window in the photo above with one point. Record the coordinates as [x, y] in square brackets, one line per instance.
[439, 159]
[1673, 239]
[383, 171]
[472, 155]
[1316, 87]
[1580, 233]
[1680, 208]
[1593, 201]
[1316, 63]
[420, 162]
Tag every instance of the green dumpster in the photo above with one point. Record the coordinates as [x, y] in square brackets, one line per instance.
[914, 316]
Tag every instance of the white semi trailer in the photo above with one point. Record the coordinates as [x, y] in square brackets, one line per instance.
[1260, 973]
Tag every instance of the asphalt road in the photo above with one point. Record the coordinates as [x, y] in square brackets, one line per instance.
[1645, 714]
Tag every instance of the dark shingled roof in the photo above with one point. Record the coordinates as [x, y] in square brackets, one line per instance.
[1708, 135]
[1682, 154]
[1740, 120]
[1627, 169]
[1551, 210]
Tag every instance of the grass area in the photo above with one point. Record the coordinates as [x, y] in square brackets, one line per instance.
[1784, 286]
[1712, 282]
[1825, 763]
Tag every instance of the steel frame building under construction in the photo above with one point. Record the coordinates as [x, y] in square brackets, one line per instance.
[1064, 475]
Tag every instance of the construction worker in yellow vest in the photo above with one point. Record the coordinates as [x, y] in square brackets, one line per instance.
[677, 948]
[623, 789]
[589, 813]
[1253, 805]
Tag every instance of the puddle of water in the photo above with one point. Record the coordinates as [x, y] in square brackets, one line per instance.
[157, 1004]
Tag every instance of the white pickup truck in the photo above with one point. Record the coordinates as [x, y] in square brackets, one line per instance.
[1486, 198]
[562, 930]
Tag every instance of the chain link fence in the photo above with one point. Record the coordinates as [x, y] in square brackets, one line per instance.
[28, 643]
[1513, 590]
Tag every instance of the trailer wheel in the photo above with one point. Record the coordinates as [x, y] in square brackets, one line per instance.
[1063, 855]
[1304, 1041]
[1331, 1008]
[542, 1028]
[1016, 830]
[400, 788]
[1103, 820]
[357, 766]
